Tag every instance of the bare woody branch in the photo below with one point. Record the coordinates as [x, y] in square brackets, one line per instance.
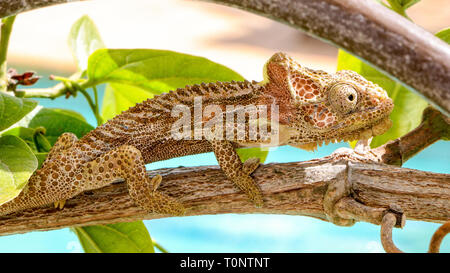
[13, 7]
[289, 188]
[363, 27]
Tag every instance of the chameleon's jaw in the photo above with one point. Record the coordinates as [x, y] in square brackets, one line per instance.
[378, 129]
[365, 133]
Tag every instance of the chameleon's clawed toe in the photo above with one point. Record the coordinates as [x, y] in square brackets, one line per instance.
[59, 204]
[155, 182]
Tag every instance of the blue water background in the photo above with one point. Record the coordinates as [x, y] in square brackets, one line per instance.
[249, 232]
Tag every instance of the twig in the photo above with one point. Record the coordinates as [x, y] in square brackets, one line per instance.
[437, 238]
[389, 221]
[6, 27]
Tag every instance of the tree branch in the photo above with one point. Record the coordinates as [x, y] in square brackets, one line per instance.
[13, 7]
[289, 188]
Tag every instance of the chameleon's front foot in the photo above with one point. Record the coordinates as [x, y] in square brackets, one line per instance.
[247, 184]
[236, 171]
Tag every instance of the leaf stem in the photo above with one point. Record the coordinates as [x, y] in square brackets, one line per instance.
[6, 28]
[93, 106]
[99, 118]
[159, 247]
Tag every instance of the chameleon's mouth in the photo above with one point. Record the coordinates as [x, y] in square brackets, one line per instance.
[377, 129]
[365, 133]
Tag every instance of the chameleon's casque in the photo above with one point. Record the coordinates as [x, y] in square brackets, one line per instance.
[314, 107]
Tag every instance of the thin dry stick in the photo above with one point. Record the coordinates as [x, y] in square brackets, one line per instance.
[437, 238]
[384, 38]
[389, 221]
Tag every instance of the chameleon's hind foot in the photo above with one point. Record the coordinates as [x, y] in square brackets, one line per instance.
[59, 204]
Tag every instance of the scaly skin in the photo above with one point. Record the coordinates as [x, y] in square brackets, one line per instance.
[314, 107]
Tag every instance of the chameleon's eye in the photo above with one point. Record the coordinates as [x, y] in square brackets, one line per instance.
[343, 98]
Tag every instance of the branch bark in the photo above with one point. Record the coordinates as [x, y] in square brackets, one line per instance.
[363, 27]
[289, 188]
[13, 7]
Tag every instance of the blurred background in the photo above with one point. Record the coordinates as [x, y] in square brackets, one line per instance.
[243, 42]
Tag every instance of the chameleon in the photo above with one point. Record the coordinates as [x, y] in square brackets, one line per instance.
[313, 107]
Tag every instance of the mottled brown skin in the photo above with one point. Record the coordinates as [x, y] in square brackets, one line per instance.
[314, 107]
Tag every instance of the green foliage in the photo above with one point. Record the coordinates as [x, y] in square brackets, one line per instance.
[13, 109]
[134, 75]
[83, 40]
[408, 107]
[59, 121]
[246, 153]
[444, 35]
[26, 134]
[17, 163]
[115, 238]
[400, 6]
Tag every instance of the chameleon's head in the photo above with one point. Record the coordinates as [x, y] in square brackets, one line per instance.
[327, 107]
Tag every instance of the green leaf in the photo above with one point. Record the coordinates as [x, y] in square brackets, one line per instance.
[400, 6]
[404, 4]
[444, 35]
[26, 134]
[408, 106]
[119, 97]
[59, 121]
[13, 109]
[84, 39]
[115, 238]
[17, 164]
[137, 74]
[246, 153]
